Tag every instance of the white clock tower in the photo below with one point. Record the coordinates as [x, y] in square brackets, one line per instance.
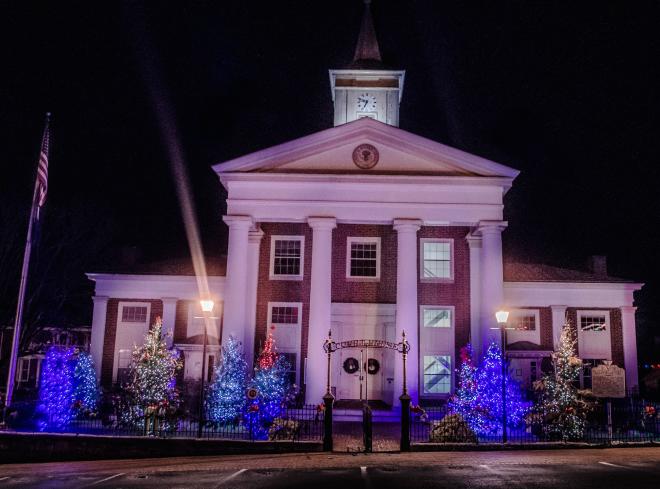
[366, 87]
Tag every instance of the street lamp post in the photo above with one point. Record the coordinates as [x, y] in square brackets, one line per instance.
[207, 308]
[502, 317]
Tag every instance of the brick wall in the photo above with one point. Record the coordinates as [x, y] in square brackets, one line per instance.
[283, 290]
[111, 332]
[456, 293]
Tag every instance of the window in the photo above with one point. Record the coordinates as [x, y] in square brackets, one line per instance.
[363, 258]
[123, 365]
[134, 314]
[284, 320]
[436, 317]
[286, 257]
[24, 374]
[524, 325]
[436, 259]
[525, 322]
[284, 315]
[593, 322]
[292, 372]
[587, 367]
[437, 374]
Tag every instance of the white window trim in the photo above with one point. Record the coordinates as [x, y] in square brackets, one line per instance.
[532, 336]
[451, 331]
[271, 272]
[362, 239]
[451, 316]
[133, 304]
[422, 278]
[594, 312]
[297, 350]
[608, 331]
[120, 314]
[452, 363]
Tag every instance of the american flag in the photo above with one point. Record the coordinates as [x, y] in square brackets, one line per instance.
[42, 170]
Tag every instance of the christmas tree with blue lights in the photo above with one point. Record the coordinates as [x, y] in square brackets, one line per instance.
[226, 396]
[466, 400]
[272, 386]
[55, 407]
[489, 402]
[85, 393]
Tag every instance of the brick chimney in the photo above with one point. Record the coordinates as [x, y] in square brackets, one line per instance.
[598, 265]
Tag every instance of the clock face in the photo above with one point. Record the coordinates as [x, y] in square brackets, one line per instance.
[366, 102]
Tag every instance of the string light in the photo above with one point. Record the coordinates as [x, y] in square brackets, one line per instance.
[478, 398]
[56, 389]
[86, 393]
[226, 396]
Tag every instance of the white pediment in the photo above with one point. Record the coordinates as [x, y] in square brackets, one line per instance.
[331, 150]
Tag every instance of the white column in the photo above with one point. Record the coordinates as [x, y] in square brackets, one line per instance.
[169, 316]
[558, 321]
[320, 297]
[407, 268]
[492, 279]
[629, 346]
[234, 322]
[474, 243]
[98, 332]
[254, 242]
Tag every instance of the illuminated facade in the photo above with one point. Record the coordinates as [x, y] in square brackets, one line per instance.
[368, 230]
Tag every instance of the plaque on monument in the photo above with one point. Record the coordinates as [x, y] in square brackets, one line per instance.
[608, 381]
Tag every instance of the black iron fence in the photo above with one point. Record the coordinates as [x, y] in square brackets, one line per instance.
[304, 423]
[625, 420]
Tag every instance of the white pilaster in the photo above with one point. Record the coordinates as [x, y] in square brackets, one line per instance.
[254, 242]
[320, 298]
[558, 321]
[492, 279]
[629, 346]
[99, 314]
[474, 243]
[234, 322]
[169, 316]
[406, 306]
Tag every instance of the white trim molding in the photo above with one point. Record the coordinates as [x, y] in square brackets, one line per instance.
[271, 267]
[366, 240]
[422, 278]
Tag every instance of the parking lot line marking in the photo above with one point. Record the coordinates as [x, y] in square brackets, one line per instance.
[4, 478]
[365, 476]
[614, 465]
[230, 477]
[106, 479]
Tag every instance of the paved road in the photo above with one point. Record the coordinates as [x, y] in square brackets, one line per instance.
[621, 468]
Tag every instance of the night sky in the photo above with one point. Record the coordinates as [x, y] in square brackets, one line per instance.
[567, 94]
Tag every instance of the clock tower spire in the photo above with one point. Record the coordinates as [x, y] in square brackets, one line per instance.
[366, 87]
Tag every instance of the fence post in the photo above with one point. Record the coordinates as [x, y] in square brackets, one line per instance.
[405, 422]
[328, 400]
[609, 421]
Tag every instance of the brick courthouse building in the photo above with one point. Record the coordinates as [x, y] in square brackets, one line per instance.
[369, 230]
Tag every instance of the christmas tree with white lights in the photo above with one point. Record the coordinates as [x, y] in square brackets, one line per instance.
[561, 409]
[151, 387]
[226, 396]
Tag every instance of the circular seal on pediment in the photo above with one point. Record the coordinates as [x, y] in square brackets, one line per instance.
[365, 156]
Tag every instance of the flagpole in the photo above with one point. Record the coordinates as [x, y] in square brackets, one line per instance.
[18, 322]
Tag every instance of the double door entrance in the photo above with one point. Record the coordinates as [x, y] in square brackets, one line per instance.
[364, 373]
